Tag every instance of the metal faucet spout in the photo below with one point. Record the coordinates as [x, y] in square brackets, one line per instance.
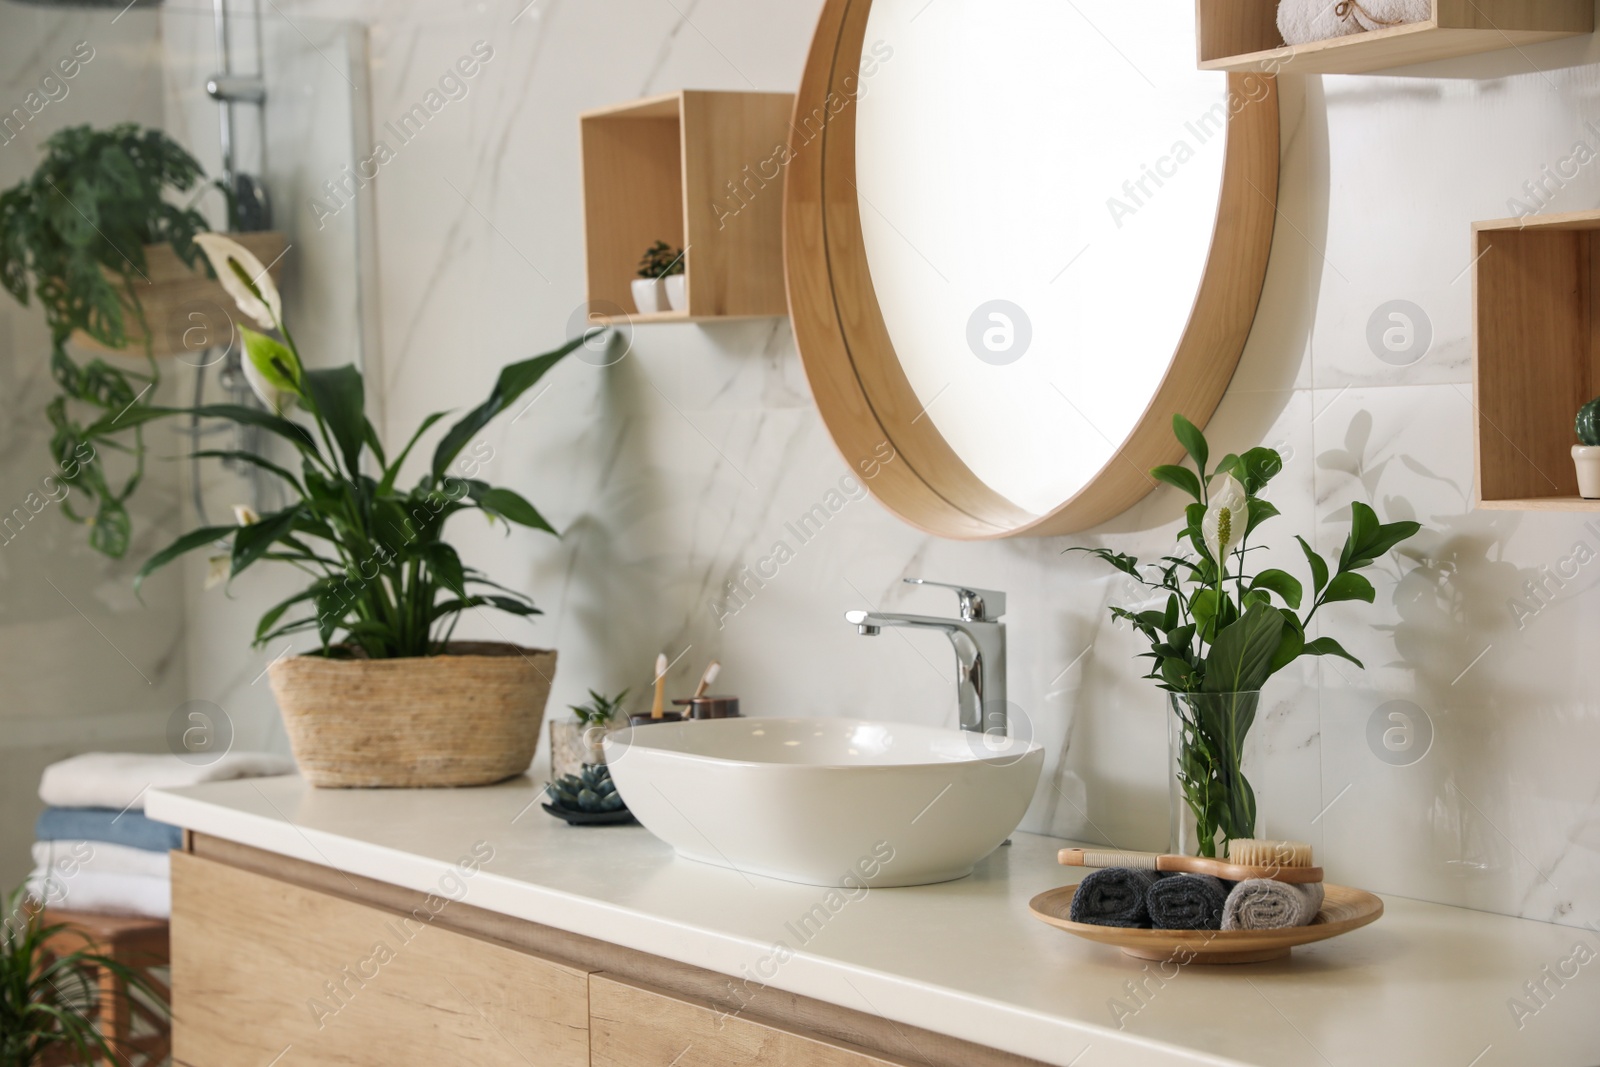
[979, 640]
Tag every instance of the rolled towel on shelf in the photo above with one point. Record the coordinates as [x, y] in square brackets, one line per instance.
[120, 779]
[103, 894]
[134, 829]
[67, 857]
[1263, 904]
[1308, 21]
[1187, 902]
[1114, 896]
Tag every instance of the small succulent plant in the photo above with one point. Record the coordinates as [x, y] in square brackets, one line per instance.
[1588, 424]
[661, 260]
[601, 710]
[591, 792]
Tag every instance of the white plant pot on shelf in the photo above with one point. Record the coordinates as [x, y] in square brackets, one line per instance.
[1587, 459]
[678, 292]
[650, 295]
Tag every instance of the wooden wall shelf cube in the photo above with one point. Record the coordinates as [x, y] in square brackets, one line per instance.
[1242, 35]
[1536, 300]
[702, 171]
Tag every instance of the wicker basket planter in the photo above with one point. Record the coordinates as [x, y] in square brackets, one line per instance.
[468, 718]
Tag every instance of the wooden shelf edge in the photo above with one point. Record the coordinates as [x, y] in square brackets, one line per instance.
[678, 316]
[1380, 50]
[1566, 220]
[1547, 503]
[645, 107]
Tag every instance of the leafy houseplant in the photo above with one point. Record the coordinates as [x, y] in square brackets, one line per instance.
[662, 282]
[75, 233]
[574, 744]
[1222, 632]
[1586, 454]
[46, 995]
[385, 588]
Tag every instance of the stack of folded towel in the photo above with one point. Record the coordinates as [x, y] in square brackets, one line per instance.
[1128, 897]
[97, 851]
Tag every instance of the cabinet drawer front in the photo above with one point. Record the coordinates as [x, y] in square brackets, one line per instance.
[634, 1026]
[263, 969]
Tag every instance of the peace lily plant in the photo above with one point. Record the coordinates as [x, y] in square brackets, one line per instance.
[1223, 630]
[384, 590]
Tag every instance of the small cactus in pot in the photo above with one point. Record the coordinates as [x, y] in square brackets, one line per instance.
[1586, 454]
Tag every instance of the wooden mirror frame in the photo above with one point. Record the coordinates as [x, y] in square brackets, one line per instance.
[867, 402]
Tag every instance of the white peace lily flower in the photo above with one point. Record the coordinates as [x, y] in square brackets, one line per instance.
[245, 515]
[277, 400]
[267, 311]
[1227, 517]
[216, 571]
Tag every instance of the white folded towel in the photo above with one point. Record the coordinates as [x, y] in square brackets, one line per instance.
[104, 894]
[65, 858]
[1305, 21]
[119, 780]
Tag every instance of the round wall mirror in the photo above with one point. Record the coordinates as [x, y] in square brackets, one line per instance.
[1019, 237]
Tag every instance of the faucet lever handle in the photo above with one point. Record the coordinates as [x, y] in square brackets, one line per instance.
[977, 605]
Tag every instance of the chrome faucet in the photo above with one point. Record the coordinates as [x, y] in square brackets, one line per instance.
[980, 644]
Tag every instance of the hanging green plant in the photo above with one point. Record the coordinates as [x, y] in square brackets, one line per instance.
[73, 235]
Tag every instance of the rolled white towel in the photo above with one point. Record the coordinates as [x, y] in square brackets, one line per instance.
[104, 894]
[66, 858]
[1305, 21]
[119, 780]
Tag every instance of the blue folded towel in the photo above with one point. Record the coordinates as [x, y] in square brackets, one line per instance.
[131, 828]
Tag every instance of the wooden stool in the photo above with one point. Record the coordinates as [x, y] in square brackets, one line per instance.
[140, 945]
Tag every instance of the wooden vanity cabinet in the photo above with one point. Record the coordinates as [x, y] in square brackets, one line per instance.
[277, 962]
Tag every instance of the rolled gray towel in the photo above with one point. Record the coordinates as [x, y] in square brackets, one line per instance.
[1263, 904]
[1187, 902]
[1114, 896]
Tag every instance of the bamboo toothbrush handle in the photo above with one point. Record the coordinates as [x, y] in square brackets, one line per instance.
[1084, 857]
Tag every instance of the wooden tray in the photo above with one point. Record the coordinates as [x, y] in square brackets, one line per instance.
[1343, 909]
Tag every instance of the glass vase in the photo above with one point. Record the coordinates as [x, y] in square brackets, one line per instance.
[1214, 759]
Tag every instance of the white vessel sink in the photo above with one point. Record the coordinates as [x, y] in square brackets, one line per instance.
[833, 802]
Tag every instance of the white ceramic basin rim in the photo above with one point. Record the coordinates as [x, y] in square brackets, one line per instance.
[826, 801]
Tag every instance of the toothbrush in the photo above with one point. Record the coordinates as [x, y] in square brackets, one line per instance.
[712, 670]
[1285, 861]
[658, 707]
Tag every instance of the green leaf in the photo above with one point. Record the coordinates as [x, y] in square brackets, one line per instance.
[514, 380]
[1240, 659]
[1283, 583]
[1291, 644]
[190, 541]
[276, 612]
[1178, 673]
[446, 566]
[1257, 467]
[392, 471]
[1319, 566]
[252, 542]
[1348, 586]
[1203, 607]
[1193, 441]
[1327, 646]
[512, 507]
[340, 401]
[1363, 527]
[1259, 511]
[1181, 477]
[1382, 540]
[241, 456]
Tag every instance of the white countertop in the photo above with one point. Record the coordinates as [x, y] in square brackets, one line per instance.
[1426, 984]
